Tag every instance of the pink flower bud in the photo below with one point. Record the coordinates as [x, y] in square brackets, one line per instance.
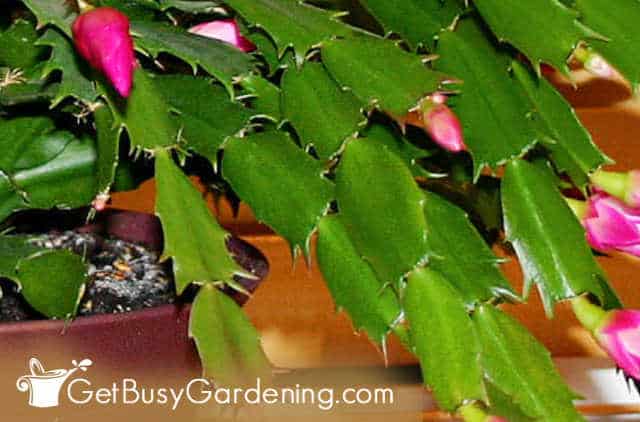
[595, 63]
[619, 335]
[442, 124]
[100, 201]
[102, 37]
[624, 186]
[496, 419]
[438, 98]
[612, 225]
[224, 30]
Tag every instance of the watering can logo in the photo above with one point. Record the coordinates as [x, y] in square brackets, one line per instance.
[44, 386]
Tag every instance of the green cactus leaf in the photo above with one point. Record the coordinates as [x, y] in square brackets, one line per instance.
[56, 295]
[227, 342]
[76, 75]
[204, 112]
[219, 59]
[13, 249]
[264, 97]
[43, 167]
[268, 52]
[521, 367]
[192, 236]
[291, 23]
[618, 22]
[18, 46]
[418, 22]
[495, 121]
[571, 146]
[283, 185]
[189, 6]
[29, 142]
[67, 181]
[546, 32]
[134, 9]
[444, 339]
[327, 117]
[353, 283]
[145, 114]
[503, 405]
[381, 207]
[163, 107]
[108, 146]
[461, 255]
[380, 73]
[548, 238]
[56, 13]
[390, 139]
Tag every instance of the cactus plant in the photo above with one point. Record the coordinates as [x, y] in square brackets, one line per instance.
[383, 132]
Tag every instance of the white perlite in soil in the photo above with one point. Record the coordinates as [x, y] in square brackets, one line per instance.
[123, 276]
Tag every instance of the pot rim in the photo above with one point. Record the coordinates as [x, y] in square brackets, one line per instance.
[62, 326]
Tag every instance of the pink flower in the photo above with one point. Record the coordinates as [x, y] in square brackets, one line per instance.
[496, 419]
[102, 37]
[442, 124]
[224, 30]
[612, 225]
[620, 337]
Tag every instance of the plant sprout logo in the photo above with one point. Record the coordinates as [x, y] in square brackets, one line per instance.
[44, 386]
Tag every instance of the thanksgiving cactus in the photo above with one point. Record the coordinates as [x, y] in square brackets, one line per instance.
[409, 137]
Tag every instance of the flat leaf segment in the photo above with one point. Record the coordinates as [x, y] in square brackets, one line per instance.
[518, 365]
[192, 235]
[284, 186]
[380, 73]
[546, 31]
[493, 108]
[354, 285]
[417, 21]
[227, 342]
[42, 167]
[444, 338]
[549, 240]
[381, 207]
[57, 295]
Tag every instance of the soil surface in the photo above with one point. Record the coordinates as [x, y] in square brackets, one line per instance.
[123, 277]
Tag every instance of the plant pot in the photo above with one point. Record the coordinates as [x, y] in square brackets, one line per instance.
[150, 345]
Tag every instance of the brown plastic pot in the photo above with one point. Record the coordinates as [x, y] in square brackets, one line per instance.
[152, 345]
